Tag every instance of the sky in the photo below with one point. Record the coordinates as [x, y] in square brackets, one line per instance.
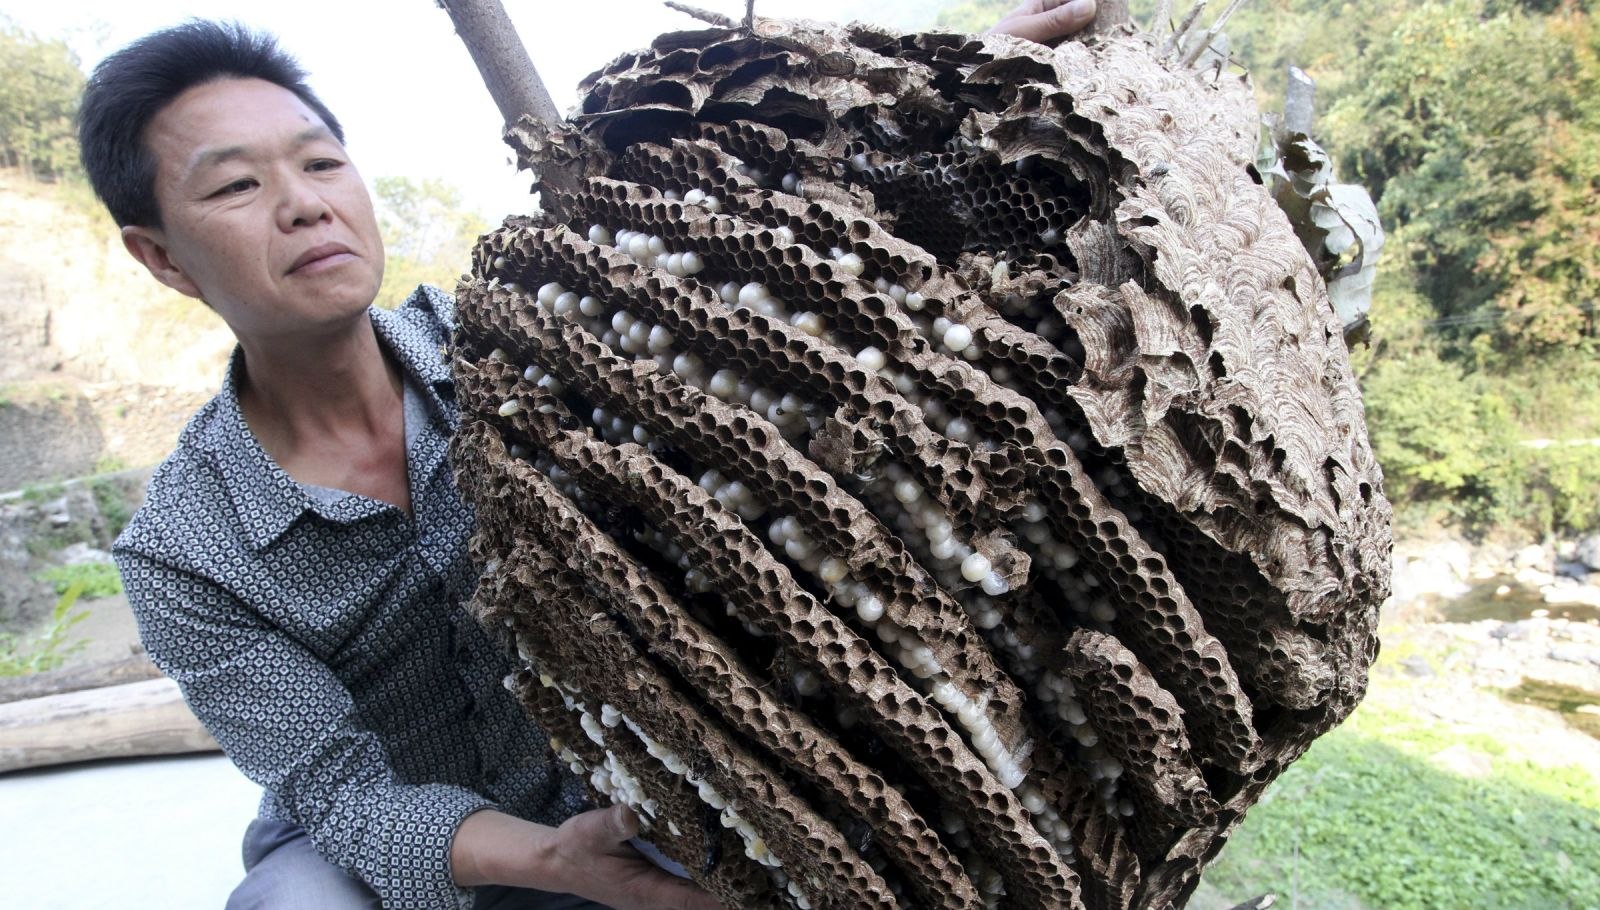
[401, 82]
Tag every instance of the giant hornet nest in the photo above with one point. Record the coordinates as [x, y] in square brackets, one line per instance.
[918, 471]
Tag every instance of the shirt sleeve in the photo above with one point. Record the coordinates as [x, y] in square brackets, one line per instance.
[290, 725]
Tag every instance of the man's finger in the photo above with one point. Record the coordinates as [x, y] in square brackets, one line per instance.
[621, 824]
[602, 830]
[1051, 24]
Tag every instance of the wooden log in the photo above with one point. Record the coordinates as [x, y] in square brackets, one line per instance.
[133, 719]
[75, 679]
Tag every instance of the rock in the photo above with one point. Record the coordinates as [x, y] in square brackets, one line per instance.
[61, 524]
[1440, 569]
[58, 512]
[1572, 593]
[1574, 570]
[1521, 630]
[1588, 551]
[1497, 669]
[1417, 667]
[82, 554]
[1533, 577]
[1532, 556]
[1575, 654]
[1462, 761]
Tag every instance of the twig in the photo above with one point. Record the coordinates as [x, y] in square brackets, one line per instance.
[1182, 31]
[1211, 33]
[1163, 16]
[749, 14]
[704, 15]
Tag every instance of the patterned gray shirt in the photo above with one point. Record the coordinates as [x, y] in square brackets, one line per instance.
[323, 640]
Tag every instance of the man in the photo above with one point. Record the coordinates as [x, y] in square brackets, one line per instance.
[300, 564]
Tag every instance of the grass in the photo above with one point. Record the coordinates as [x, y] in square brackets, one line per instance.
[51, 647]
[111, 464]
[33, 392]
[1364, 820]
[46, 543]
[89, 579]
[37, 493]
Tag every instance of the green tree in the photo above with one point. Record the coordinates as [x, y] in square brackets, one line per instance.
[972, 15]
[1447, 125]
[1549, 269]
[40, 83]
[1424, 456]
[427, 234]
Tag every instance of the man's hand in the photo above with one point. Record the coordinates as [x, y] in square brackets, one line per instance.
[588, 856]
[1046, 21]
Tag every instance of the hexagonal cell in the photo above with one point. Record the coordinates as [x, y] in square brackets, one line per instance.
[902, 417]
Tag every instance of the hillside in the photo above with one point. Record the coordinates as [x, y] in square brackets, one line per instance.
[99, 366]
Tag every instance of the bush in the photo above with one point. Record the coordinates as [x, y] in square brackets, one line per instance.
[1466, 444]
[50, 648]
[113, 505]
[91, 579]
[1559, 487]
[1439, 437]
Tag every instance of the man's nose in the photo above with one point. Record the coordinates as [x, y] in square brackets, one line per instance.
[303, 203]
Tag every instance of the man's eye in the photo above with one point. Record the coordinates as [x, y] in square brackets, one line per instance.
[243, 184]
[324, 164]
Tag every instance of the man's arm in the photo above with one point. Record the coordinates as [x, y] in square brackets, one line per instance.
[1046, 21]
[290, 725]
[588, 856]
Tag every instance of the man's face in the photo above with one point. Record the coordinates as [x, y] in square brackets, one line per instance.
[263, 215]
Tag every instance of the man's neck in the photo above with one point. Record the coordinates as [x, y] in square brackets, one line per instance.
[329, 410]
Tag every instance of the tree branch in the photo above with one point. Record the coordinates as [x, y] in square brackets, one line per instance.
[704, 15]
[502, 60]
[1108, 17]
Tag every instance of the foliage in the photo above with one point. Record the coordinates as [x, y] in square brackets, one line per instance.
[89, 579]
[426, 235]
[1460, 440]
[39, 87]
[112, 505]
[1364, 819]
[1549, 269]
[51, 647]
[40, 492]
[1557, 487]
[1446, 129]
[973, 16]
[1424, 457]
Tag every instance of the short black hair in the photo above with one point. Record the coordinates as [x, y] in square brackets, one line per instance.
[130, 87]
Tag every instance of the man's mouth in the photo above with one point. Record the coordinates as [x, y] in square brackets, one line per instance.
[318, 255]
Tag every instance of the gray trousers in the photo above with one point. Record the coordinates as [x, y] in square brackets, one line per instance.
[282, 871]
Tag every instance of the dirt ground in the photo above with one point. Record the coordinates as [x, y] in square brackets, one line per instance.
[108, 631]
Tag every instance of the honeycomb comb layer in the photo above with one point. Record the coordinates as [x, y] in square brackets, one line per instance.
[951, 432]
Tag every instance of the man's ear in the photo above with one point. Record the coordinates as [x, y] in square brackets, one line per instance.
[149, 246]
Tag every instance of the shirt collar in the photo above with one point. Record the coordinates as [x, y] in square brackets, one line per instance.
[266, 499]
